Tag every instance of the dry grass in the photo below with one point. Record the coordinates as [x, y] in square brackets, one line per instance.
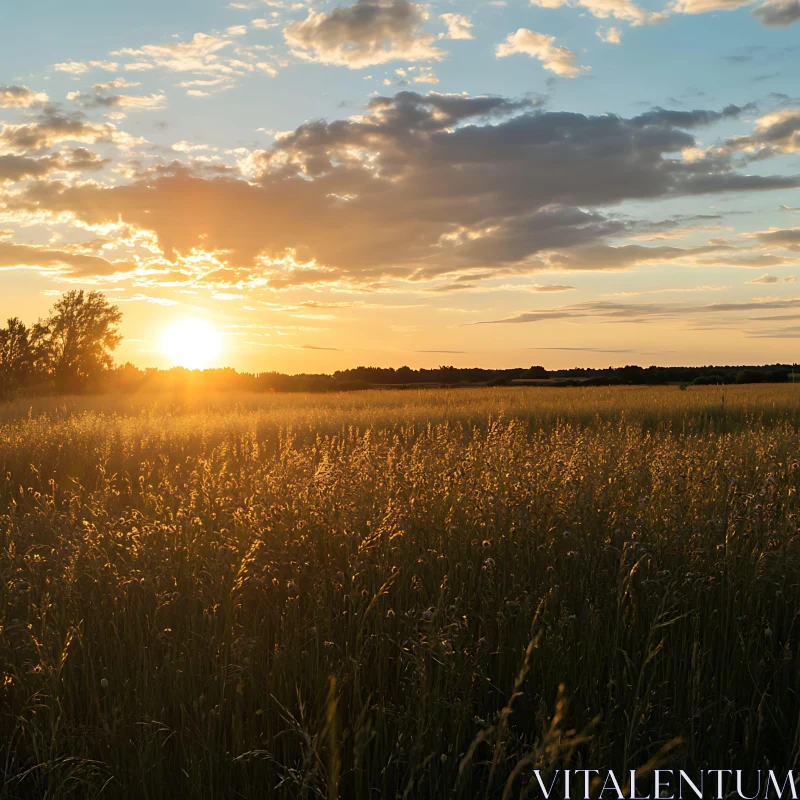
[389, 593]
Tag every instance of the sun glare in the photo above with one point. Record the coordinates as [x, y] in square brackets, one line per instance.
[191, 343]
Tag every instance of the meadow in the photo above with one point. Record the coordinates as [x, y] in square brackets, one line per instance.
[395, 594]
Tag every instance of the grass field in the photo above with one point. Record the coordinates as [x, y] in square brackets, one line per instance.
[388, 594]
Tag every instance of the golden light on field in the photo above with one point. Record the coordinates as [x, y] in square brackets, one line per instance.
[191, 343]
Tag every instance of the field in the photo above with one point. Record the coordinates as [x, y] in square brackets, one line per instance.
[386, 594]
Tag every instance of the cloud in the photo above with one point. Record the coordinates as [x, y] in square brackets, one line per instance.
[145, 298]
[52, 127]
[424, 75]
[583, 349]
[773, 134]
[610, 35]
[200, 54]
[778, 13]
[78, 68]
[624, 10]
[557, 59]
[21, 97]
[15, 168]
[427, 185]
[219, 58]
[620, 257]
[643, 312]
[24, 256]
[459, 26]
[705, 6]
[117, 83]
[771, 13]
[136, 102]
[773, 279]
[364, 34]
[788, 239]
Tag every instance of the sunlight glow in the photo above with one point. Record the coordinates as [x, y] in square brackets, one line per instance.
[191, 343]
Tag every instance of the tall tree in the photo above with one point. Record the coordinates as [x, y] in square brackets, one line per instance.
[76, 340]
[16, 355]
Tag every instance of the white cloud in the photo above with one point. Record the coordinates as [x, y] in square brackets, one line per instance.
[459, 26]
[117, 83]
[610, 35]
[624, 10]
[200, 54]
[21, 97]
[424, 75]
[78, 68]
[555, 58]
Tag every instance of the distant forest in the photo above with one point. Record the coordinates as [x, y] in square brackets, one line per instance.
[71, 351]
[130, 379]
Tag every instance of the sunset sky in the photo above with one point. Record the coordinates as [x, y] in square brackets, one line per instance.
[506, 183]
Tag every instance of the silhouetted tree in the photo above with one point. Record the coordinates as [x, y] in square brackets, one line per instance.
[75, 342]
[16, 355]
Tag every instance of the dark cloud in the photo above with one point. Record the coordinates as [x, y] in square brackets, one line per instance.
[689, 119]
[788, 239]
[641, 312]
[101, 99]
[778, 333]
[778, 13]
[17, 256]
[52, 127]
[15, 168]
[418, 187]
[365, 33]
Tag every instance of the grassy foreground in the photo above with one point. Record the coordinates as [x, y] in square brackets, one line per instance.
[420, 594]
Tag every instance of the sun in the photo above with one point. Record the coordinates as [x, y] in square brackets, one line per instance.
[191, 343]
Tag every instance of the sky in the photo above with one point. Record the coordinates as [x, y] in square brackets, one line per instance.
[488, 183]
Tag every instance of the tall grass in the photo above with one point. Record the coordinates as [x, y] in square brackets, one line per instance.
[389, 594]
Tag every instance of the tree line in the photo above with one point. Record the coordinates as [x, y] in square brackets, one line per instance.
[71, 350]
